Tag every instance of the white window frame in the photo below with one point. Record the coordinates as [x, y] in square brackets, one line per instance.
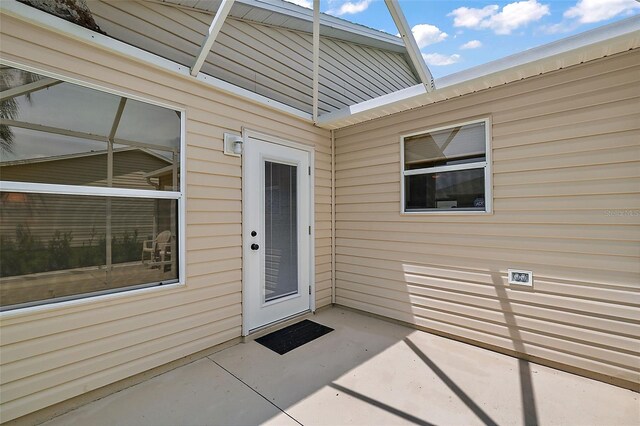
[43, 188]
[486, 165]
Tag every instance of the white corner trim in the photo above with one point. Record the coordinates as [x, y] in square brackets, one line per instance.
[44, 20]
[410, 44]
[214, 29]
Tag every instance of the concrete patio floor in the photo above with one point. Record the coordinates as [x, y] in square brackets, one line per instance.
[366, 372]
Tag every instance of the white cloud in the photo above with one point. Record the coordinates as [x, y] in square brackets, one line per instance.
[470, 17]
[438, 59]
[304, 3]
[426, 34]
[559, 28]
[473, 44]
[512, 16]
[589, 11]
[350, 8]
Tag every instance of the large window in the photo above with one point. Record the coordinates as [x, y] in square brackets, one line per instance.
[447, 169]
[90, 191]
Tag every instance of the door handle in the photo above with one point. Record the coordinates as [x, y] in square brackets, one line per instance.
[254, 246]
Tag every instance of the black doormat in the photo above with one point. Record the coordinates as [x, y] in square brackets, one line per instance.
[289, 338]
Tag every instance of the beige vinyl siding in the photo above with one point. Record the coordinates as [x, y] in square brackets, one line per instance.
[267, 60]
[566, 191]
[53, 353]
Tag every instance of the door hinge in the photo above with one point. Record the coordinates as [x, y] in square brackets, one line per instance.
[309, 230]
[309, 170]
[309, 289]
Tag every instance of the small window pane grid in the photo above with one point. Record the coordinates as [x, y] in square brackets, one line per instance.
[446, 170]
[90, 199]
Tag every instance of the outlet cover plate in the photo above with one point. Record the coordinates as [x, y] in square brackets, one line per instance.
[520, 277]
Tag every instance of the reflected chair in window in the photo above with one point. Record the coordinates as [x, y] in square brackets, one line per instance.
[158, 251]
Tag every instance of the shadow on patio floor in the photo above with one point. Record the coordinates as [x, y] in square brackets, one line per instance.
[367, 371]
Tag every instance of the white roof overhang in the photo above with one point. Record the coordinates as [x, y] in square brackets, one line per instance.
[598, 43]
[291, 16]
[608, 40]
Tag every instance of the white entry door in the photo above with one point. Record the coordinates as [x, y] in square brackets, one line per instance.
[276, 232]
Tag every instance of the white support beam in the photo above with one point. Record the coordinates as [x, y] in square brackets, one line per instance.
[108, 226]
[410, 43]
[117, 118]
[316, 57]
[25, 89]
[214, 29]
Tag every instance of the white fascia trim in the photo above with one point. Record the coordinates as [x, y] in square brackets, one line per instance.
[359, 110]
[566, 45]
[253, 97]
[42, 19]
[626, 32]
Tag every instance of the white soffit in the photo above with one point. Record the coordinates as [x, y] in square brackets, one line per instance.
[597, 43]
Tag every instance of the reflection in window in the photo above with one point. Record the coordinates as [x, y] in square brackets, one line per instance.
[84, 240]
[281, 235]
[64, 133]
[55, 246]
[462, 189]
[445, 169]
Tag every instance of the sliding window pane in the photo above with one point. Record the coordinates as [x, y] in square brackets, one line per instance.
[61, 246]
[457, 190]
[58, 133]
[66, 160]
[455, 145]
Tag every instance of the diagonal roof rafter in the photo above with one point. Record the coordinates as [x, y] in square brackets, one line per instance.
[410, 44]
[215, 27]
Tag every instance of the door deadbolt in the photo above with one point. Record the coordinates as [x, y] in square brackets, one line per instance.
[254, 233]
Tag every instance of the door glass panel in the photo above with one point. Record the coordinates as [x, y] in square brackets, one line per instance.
[281, 230]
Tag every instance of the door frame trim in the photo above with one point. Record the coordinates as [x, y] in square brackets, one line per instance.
[310, 149]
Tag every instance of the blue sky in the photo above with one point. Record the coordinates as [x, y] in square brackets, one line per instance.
[456, 35]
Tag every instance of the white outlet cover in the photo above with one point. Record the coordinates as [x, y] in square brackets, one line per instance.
[520, 277]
